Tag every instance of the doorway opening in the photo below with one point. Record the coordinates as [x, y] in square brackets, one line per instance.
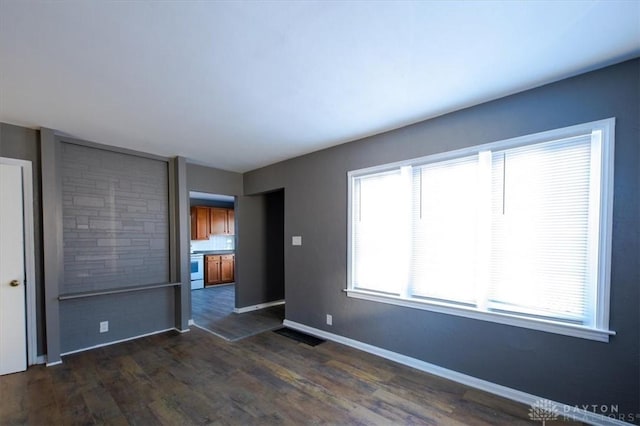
[212, 246]
[230, 308]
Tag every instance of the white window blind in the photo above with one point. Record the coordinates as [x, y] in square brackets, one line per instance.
[380, 231]
[540, 246]
[444, 223]
[516, 231]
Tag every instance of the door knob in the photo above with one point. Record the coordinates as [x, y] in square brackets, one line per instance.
[14, 283]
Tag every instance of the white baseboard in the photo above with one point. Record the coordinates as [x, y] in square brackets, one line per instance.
[256, 307]
[51, 364]
[40, 359]
[564, 410]
[115, 342]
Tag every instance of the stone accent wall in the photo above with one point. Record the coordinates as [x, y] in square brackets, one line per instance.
[115, 219]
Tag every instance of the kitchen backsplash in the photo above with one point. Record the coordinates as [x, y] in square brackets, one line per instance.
[215, 242]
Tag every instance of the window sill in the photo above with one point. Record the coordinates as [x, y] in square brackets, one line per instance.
[500, 318]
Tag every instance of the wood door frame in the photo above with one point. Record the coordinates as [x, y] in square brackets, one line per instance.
[29, 257]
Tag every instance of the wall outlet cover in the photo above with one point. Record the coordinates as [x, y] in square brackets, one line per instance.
[104, 326]
[296, 240]
[329, 319]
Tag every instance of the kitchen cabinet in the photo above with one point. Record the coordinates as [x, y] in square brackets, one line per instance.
[222, 221]
[231, 221]
[212, 273]
[200, 223]
[219, 269]
[227, 266]
[206, 221]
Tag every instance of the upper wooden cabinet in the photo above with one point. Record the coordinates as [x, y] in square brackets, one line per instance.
[200, 226]
[218, 221]
[222, 221]
[231, 222]
[207, 221]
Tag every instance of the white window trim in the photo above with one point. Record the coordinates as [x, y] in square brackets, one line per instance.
[600, 332]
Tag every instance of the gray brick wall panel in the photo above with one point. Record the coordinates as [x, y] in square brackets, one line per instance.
[115, 219]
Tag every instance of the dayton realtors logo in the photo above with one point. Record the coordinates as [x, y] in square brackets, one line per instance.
[543, 410]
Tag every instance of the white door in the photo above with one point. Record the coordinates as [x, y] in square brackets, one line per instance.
[13, 332]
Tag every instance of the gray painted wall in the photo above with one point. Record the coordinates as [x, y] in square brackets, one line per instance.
[129, 314]
[213, 181]
[24, 144]
[250, 259]
[566, 369]
[179, 234]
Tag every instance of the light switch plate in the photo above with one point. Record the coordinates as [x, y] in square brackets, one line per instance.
[296, 240]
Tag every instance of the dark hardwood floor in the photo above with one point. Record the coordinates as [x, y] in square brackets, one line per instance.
[266, 379]
[212, 309]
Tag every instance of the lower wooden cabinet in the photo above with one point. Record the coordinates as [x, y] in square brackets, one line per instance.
[227, 266]
[212, 270]
[219, 269]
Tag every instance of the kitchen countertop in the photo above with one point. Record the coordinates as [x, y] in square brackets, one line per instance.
[205, 252]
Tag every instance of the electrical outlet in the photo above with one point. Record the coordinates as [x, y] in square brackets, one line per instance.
[104, 326]
[329, 319]
[296, 240]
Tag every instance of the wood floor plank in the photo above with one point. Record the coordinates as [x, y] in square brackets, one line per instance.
[168, 413]
[358, 388]
[196, 378]
[358, 384]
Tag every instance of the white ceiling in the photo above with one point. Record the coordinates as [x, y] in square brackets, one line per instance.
[242, 84]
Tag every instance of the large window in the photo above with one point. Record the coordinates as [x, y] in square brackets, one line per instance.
[516, 231]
